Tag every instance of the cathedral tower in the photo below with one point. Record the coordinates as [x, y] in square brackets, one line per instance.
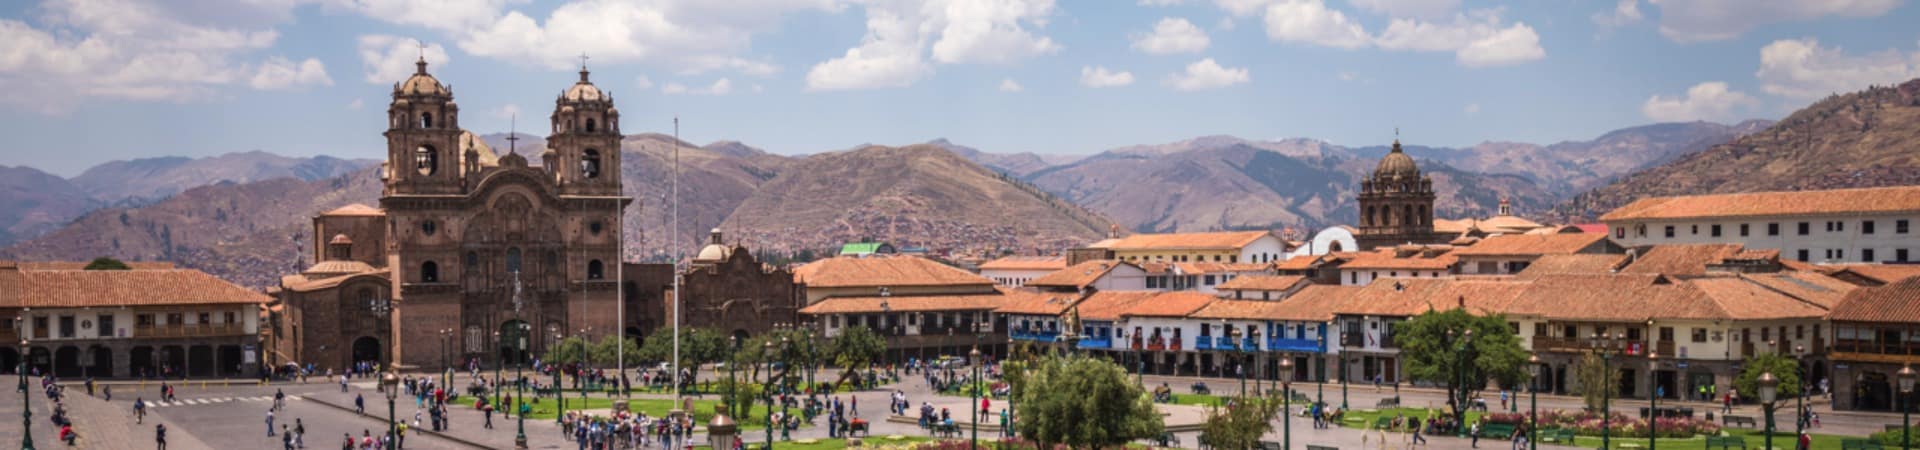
[423, 133]
[1396, 204]
[584, 146]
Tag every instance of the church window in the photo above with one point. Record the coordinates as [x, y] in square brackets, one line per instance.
[592, 126]
[1409, 219]
[594, 227]
[429, 272]
[472, 262]
[596, 270]
[1369, 220]
[1422, 218]
[426, 120]
[590, 163]
[513, 260]
[553, 258]
[428, 227]
[425, 160]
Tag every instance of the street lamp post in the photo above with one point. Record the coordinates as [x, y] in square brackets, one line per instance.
[1769, 387]
[581, 377]
[1286, 403]
[391, 381]
[767, 389]
[26, 411]
[1799, 400]
[1252, 347]
[1653, 401]
[733, 381]
[1340, 357]
[497, 346]
[1600, 347]
[559, 397]
[1906, 415]
[973, 386]
[520, 388]
[1533, 404]
[1460, 349]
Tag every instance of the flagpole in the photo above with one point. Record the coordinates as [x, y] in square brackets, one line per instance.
[673, 241]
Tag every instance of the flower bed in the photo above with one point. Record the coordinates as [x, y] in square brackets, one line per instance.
[1588, 424]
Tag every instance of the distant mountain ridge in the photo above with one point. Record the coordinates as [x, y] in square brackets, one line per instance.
[149, 179]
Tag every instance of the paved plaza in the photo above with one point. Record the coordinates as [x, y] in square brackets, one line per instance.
[223, 415]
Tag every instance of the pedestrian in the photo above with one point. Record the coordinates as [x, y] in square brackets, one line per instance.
[286, 438]
[160, 435]
[1475, 434]
[107, 391]
[1415, 431]
[299, 433]
[488, 409]
[1727, 403]
[359, 404]
[279, 399]
[269, 422]
[139, 410]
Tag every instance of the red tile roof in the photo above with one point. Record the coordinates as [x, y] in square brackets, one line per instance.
[109, 288]
[1755, 204]
[915, 303]
[1078, 276]
[1682, 259]
[1572, 264]
[1389, 259]
[1107, 305]
[883, 271]
[1882, 273]
[355, 209]
[1261, 283]
[1226, 240]
[1169, 304]
[1534, 244]
[1893, 303]
[1026, 263]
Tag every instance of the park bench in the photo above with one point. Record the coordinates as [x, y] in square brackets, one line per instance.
[1321, 447]
[1387, 403]
[1731, 420]
[1269, 445]
[1726, 443]
[1557, 435]
[1168, 440]
[947, 430]
[1497, 430]
[860, 427]
[1859, 444]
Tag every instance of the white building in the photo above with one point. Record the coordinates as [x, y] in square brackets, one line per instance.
[1016, 271]
[1833, 226]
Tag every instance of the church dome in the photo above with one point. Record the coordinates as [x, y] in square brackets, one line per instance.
[1396, 163]
[583, 91]
[421, 83]
[340, 239]
[715, 250]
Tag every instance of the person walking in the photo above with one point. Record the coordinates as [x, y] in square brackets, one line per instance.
[139, 410]
[279, 400]
[1475, 434]
[286, 438]
[1413, 429]
[269, 422]
[359, 404]
[160, 436]
[107, 391]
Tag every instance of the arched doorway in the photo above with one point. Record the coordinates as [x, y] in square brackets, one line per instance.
[230, 361]
[39, 359]
[9, 360]
[636, 335]
[514, 342]
[366, 348]
[102, 361]
[1873, 392]
[173, 360]
[740, 336]
[66, 362]
[140, 362]
[200, 361]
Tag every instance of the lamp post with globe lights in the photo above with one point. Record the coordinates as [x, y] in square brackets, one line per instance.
[1906, 375]
[1533, 404]
[1286, 402]
[1769, 387]
[1653, 401]
[973, 386]
[392, 382]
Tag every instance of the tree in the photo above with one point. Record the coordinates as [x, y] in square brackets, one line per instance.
[697, 346]
[1595, 380]
[607, 352]
[568, 351]
[1432, 345]
[855, 348]
[105, 263]
[1783, 368]
[1241, 424]
[1083, 403]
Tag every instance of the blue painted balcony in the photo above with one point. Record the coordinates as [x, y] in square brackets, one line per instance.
[1293, 345]
[1203, 343]
[1224, 343]
[1096, 343]
[1034, 335]
[1249, 344]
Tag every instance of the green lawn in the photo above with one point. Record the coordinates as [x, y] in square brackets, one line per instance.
[1367, 418]
[1755, 439]
[836, 444]
[547, 409]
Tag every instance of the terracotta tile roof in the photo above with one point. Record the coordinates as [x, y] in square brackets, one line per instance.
[1883, 273]
[355, 209]
[1169, 304]
[1814, 287]
[1039, 304]
[1184, 241]
[1685, 259]
[1314, 303]
[1408, 297]
[883, 271]
[309, 282]
[10, 286]
[1202, 268]
[1388, 259]
[1078, 276]
[1026, 263]
[1303, 262]
[1534, 244]
[1572, 264]
[107, 288]
[1741, 299]
[80, 265]
[1893, 302]
[916, 303]
[1107, 305]
[1261, 283]
[1610, 297]
[1238, 310]
[1754, 204]
[1597, 228]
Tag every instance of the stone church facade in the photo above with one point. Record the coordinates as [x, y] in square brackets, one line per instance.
[1396, 204]
[725, 289]
[473, 249]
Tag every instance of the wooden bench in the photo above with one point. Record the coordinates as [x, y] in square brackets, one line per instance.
[1726, 443]
[1731, 420]
[1558, 436]
[1497, 430]
[1629, 445]
[1859, 444]
[1321, 447]
[1387, 403]
[858, 427]
[1268, 445]
[1168, 440]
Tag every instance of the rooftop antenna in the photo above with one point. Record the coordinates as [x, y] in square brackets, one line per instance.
[513, 134]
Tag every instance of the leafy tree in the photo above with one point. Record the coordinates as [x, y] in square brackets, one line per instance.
[1241, 424]
[1596, 380]
[1432, 344]
[1783, 368]
[855, 348]
[607, 352]
[105, 263]
[1083, 403]
[568, 351]
[697, 346]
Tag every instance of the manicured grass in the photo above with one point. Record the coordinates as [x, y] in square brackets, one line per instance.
[836, 444]
[1367, 418]
[547, 409]
[1755, 438]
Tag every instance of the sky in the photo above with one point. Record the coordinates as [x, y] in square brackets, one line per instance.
[90, 81]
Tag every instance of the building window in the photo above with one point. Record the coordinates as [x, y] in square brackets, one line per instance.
[1699, 335]
[590, 164]
[1694, 230]
[1153, 282]
[231, 318]
[425, 160]
[1900, 226]
[1866, 227]
[429, 272]
[1803, 255]
[1773, 229]
[1669, 230]
[1900, 255]
[1209, 280]
[39, 328]
[1715, 230]
[1743, 230]
[1799, 332]
[1666, 333]
[1866, 255]
[1806, 228]
[513, 260]
[66, 326]
[1539, 329]
[596, 270]
[143, 320]
[204, 318]
[1620, 233]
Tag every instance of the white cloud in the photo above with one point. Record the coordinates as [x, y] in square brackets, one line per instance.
[278, 73]
[1161, 2]
[1207, 74]
[1477, 38]
[1471, 109]
[1705, 101]
[1626, 12]
[1172, 35]
[1348, 76]
[1100, 77]
[643, 82]
[1716, 20]
[1241, 8]
[388, 59]
[902, 37]
[1802, 69]
[507, 111]
[1311, 22]
[1431, 9]
[75, 51]
[356, 104]
[722, 86]
[451, 16]
[1008, 85]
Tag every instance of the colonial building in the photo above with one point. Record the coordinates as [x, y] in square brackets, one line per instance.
[1396, 204]
[466, 244]
[1834, 226]
[1220, 247]
[1511, 253]
[150, 321]
[1875, 333]
[726, 288]
[924, 309]
[1016, 271]
[1403, 261]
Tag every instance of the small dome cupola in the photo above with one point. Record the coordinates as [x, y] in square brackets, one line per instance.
[340, 248]
[1397, 163]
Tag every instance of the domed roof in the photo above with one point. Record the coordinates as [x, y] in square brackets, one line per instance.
[340, 239]
[421, 83]
[715, 250]
[1397, 163]
[583, 91]
[336, 268]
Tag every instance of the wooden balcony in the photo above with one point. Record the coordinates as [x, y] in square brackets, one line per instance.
[9, 337]
[1579, 345]
[1868, 347]
[194, 330]
[1666, 349]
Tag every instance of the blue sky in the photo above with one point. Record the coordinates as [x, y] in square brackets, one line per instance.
[89, 81]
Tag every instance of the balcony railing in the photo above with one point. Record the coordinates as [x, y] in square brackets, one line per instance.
[1665, 348]
[193, 330]
[1174, 345]
[1888, 348]
[1575, 345]
[1035, 335]
[1203, 343]
[1096, 343]
[1157, 344]
[1293, 345]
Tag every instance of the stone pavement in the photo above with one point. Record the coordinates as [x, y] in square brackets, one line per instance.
[101, 425]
